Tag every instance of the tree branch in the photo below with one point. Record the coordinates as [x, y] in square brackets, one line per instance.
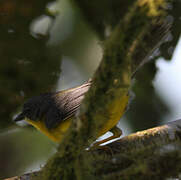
[145, 154]
[151, 154]
[157, 137]
[125, 50]
[111, 84]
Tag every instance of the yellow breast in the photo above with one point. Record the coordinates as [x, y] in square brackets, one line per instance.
[55, 134]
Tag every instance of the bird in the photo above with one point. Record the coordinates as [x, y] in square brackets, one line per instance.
[52, 113]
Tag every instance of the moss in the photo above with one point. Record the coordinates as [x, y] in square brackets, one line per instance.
[145, 163]
[111, 82]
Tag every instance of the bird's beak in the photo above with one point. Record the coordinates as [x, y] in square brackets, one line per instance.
[19, 117]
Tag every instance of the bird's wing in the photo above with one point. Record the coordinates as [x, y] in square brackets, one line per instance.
[64, 104]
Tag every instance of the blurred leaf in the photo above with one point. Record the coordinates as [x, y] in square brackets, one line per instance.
[28, 65]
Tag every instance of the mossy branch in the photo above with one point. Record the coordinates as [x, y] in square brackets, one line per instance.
[150, 154]
[111, 83]
[105, 15]
[154, 137]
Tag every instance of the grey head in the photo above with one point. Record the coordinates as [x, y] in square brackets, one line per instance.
[44, 108]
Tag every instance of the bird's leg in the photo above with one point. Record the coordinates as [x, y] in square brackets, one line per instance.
[116, 133]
